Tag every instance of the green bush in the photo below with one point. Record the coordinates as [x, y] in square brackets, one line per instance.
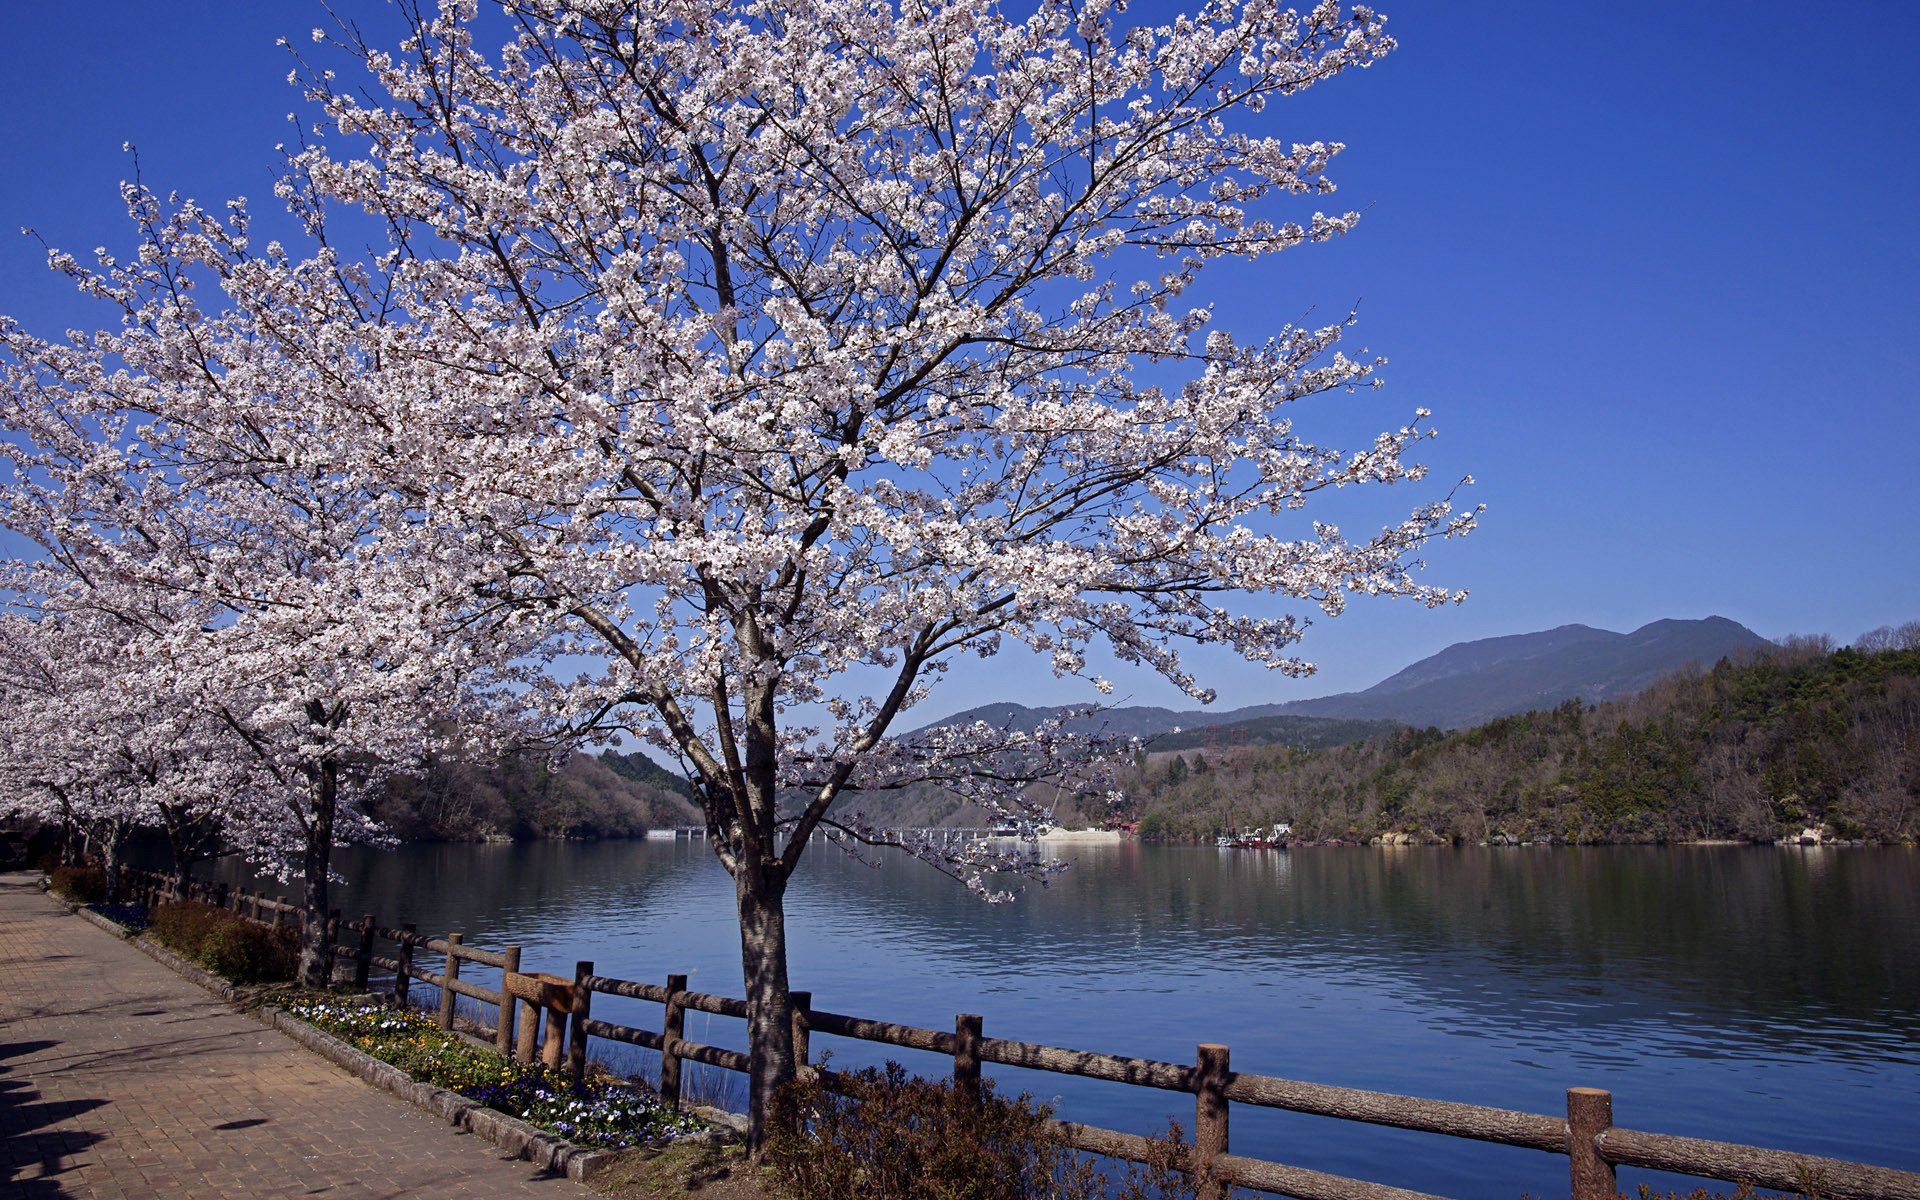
[226, 943]
[82, 885]
[249, 953]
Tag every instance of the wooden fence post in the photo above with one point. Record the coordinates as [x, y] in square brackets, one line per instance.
[672, 1026]
[404, 980]
[526, 1046]
[363, 957]
[503, 1024]
[1589, 1112]
[553, 1045]
[446, 983]
[222, 893]
[1209, 1118]
[577, 1031]
[966, 1054]
[333, 943]
[279, 909]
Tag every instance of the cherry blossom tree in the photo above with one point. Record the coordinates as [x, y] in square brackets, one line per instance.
[767, 358]
[780, 353]
[98, 731]
[194, 457]
[56, 769]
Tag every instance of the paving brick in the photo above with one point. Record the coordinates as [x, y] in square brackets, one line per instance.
[116, 1077]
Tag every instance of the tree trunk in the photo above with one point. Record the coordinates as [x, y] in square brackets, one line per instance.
[183, 859]
[188, 838]
[763, 958]
[113, 847]
[318, 860]
[182, 876]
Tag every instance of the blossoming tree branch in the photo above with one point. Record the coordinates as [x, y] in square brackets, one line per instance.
[767, 357]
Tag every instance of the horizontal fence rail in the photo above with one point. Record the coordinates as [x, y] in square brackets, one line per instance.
[550, 1017]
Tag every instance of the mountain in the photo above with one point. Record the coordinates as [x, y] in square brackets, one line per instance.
[1473, 682]
[1180, 729]
[1464, 685]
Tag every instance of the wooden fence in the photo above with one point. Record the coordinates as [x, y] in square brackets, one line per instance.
[1585, 1134]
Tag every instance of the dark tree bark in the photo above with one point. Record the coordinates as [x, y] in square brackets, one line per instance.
[113, 847]
[190, 841]
[760, 895]
[71, 838]
[325, 779]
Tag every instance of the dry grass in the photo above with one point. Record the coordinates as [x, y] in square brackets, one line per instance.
[701, 1167]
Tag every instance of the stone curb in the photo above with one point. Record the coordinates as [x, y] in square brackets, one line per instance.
[93, 918]
[547, 1150]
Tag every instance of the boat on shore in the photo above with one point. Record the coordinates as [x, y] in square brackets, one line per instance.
[1083, 836]
[1258, 838]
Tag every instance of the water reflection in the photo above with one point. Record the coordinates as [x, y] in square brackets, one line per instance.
[1753, 994]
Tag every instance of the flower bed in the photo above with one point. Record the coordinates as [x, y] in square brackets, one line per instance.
[598, 1112]
[128, 916]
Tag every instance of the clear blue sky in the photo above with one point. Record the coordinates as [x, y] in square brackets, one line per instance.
[1654, 267]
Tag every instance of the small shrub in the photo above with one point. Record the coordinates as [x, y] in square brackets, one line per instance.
[183, 927]
[247, 953]
[1809, 1189]
[1160, 1177]
[882, 1135]
[887, 1136]
[82, 885]
[226, 943]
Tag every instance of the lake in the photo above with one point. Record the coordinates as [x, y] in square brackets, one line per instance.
[1755, 994]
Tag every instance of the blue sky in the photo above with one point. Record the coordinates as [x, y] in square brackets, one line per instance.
[1653, 267]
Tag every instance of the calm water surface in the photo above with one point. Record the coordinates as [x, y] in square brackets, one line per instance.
[1749, 994]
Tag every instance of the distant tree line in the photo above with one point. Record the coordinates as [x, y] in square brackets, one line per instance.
[1799, 735]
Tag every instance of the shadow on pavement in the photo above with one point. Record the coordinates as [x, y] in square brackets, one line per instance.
[33, 1155]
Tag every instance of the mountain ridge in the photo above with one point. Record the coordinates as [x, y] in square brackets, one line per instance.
[1458, 687]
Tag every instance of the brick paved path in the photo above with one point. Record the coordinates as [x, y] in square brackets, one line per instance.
[118, 1079]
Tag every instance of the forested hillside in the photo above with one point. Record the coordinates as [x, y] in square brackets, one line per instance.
[1756, 749]
[1790, 737]
[609, 795]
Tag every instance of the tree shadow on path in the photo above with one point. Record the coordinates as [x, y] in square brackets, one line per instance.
[33, 1153]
